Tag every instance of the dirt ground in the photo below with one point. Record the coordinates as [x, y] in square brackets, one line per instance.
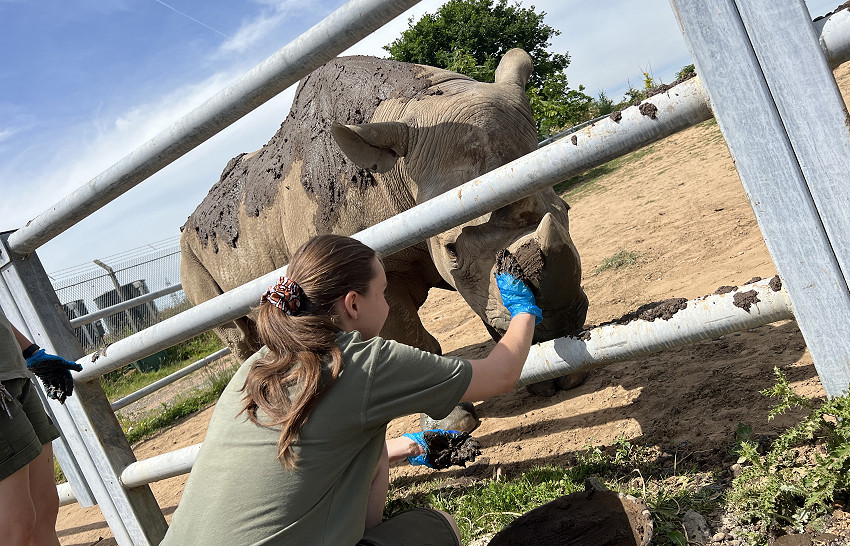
[681, 206]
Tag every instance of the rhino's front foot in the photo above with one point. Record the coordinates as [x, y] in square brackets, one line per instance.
[462, 419]
[551, 386]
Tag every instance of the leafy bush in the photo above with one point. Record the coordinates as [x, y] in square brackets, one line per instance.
[804, 470]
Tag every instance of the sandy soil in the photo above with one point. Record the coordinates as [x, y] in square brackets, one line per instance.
[680, 205]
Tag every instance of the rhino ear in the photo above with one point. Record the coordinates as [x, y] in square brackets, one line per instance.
[515, 67]
[372, 146]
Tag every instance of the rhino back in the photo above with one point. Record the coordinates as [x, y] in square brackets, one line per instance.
[346, 90]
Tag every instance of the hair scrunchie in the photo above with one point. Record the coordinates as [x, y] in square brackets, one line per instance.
[286, 295]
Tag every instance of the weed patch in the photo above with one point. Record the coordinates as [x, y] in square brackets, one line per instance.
[622, 258]
[482, 508]
[126, 380]
[805, 470]
[195, 400]
[572, 189]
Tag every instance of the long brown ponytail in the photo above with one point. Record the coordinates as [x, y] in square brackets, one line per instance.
[326, 268]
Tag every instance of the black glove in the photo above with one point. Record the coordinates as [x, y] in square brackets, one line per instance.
[54, 373]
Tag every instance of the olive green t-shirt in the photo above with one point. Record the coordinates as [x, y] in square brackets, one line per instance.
[239, 493]
[12, 363]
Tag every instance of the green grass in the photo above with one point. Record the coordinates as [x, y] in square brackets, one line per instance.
[622, 258]
[484, 507]
[127, 380]
[572, 189]
[187, 404]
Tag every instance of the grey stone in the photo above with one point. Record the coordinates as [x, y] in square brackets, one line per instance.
[696, 527]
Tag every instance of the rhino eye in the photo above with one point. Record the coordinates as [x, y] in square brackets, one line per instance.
[451, 249]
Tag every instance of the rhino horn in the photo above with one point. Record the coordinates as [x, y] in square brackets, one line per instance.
[514, 68]
[372, 146]
[549, 235]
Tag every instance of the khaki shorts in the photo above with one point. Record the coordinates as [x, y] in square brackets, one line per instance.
[417, 527]
[29, 428]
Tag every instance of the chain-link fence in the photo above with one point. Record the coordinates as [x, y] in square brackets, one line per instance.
[112, 280]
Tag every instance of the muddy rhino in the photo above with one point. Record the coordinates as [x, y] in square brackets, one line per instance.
[368, 138]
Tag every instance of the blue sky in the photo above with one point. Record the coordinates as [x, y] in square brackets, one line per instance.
[85, 82]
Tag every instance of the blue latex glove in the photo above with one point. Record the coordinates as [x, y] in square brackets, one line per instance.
[517, 297]
[419, 438]
[54, 373]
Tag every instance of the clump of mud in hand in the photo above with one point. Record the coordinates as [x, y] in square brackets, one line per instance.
[445, 450]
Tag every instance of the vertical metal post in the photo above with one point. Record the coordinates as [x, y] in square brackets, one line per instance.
[61, 446]
[120, 294]
[778, 106]
[96, 438]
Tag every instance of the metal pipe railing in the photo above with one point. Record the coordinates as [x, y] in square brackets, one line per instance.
[169, 379]
[124, 305]
[703, 318]
[834, 37]
[160, 467]
[321, 43]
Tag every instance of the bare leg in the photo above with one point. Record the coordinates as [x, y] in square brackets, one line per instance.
[45, 498]
[404, 297]
[17, 511]
[378, 491]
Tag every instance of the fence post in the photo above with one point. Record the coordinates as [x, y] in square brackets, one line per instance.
[130, 319]
[778, 106]
[88, 422]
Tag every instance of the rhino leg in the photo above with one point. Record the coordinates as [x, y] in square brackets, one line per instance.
[405, 295]
[462, 419]
[406, 292]
[199, 286]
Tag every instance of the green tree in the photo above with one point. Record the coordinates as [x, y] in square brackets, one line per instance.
[602, 105]
[471, 36]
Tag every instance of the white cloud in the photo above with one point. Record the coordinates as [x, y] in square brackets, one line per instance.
[6, 133]
[259, 28]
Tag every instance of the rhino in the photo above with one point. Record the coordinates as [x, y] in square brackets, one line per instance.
[368, 138]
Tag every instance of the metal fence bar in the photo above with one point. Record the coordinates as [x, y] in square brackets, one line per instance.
[169, 379]
[797, 188]
[834, 37]
[62, 450]
[701, 319]
[318, 45]
[123, 306]
[160, 467]
[796, 71]
[146, 471]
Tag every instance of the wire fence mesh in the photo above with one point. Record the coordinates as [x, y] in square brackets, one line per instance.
[86, 288]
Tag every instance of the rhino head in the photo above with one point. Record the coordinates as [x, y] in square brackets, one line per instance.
[456, 131]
